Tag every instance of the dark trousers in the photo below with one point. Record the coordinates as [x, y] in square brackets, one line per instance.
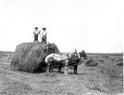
[44, 38]
[35, 37]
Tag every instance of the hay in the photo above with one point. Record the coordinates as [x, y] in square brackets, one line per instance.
[52, 48]
[29, 57]
[91, 62]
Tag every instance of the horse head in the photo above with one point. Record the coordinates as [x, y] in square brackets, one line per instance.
[83, 54]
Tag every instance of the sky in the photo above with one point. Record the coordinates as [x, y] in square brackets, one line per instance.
[90, 25]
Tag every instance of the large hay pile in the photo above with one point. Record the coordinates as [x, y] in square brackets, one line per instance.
[29, 57]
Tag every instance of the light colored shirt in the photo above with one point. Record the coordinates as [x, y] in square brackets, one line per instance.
[44, 33]
[36, 32]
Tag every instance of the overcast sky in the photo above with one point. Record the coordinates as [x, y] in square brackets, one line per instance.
[91, 25]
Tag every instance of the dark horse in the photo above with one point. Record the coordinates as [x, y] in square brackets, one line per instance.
[60, 60]
[75, 59]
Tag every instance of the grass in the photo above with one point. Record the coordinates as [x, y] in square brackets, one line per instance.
[104, 79]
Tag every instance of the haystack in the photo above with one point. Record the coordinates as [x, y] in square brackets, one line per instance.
[29, 57]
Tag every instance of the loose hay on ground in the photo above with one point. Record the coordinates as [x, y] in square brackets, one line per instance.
[91, 62]
[29, 57]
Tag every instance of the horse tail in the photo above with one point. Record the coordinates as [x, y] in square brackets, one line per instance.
[50, 56]
[47, 58]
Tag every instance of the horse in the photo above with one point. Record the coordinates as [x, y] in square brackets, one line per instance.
[64, 60]
[75, 59]
[53, 59]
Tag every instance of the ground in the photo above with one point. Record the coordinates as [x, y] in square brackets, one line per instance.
[104, 79]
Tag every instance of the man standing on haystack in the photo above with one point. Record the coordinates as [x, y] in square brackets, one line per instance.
[44, 35]
[36, 32]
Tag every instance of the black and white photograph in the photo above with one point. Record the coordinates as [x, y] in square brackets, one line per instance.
[61, 47]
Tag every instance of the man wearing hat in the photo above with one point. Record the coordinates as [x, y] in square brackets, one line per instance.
[36, 32]
[44, 35]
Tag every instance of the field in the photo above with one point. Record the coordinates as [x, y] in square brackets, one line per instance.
[104, 79]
